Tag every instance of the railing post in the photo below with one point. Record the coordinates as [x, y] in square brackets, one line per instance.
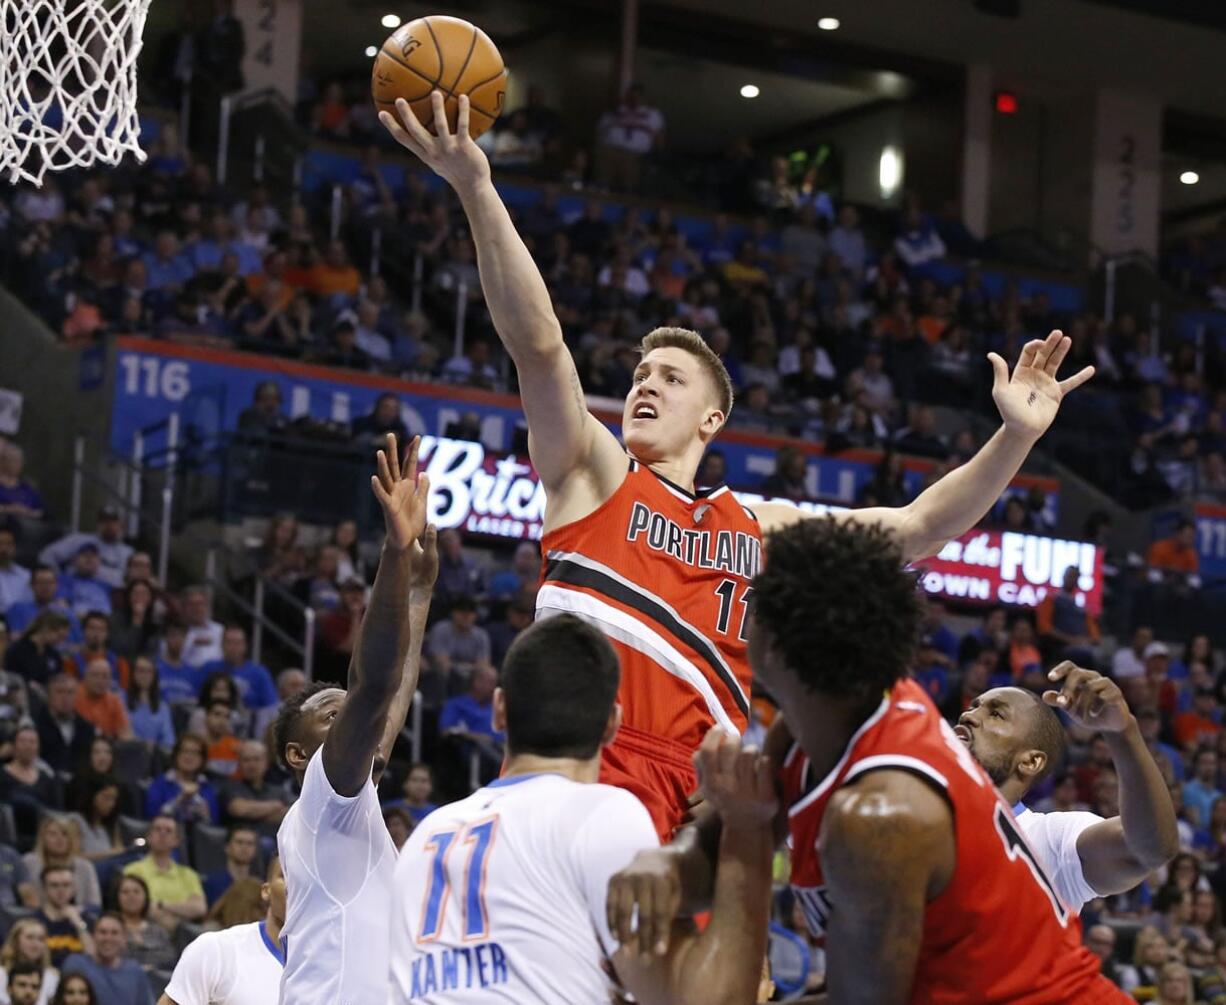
[257, 169]
[335, 228]
[308, 643]
[376, 247]
[223, 140]
[138, 477]
[415, 717]
[210, 565]
[419, 266]
[461, 314]
[185, 111]
[297, 183]
[168, 495]
[1109, 294]
[78, 472]
[257, 622]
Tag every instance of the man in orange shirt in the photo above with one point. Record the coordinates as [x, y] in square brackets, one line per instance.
[1202, 723]
[1176, 553]
[1066, 630]
[95, 632]
[334, 274]
[223, 744]
[99, 705]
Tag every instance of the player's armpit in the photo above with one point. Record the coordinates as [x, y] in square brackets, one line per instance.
[887, 847]
[1107, 862]
[167, 1000]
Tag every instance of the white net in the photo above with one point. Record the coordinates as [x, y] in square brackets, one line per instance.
[68, 84]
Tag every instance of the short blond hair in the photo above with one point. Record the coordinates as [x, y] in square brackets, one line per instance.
[696, 346]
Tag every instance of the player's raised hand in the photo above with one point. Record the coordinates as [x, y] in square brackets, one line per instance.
[643, 900]
[736, 780]
[1091, 699]
[1029, 399]
[402, 493]
[425, 561]
[452, 156]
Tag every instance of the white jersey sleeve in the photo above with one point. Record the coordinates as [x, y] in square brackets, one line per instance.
[204, 975]
[1053, 838]
[615, 829]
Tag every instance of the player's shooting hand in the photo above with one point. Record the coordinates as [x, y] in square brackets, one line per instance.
[1089, 698]
[402, 493]
[647, 891]
[452, 156]
[425, 561]
[1029, 399]
[736, 780]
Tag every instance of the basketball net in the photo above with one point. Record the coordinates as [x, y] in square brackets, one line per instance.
[68, 84]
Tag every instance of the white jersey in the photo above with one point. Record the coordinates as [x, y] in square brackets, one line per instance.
[501, 896]
[1053, 838]
[236, 966]
[338, 860]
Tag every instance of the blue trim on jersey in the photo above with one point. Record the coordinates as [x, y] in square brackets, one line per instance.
[499, 783]
[1019, 808]
[277, 949]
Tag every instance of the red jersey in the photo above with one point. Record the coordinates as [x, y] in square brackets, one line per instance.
[665, 574]
[998, 932]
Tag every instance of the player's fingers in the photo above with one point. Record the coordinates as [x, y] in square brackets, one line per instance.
[423, 486]
[441, 129]
[1046, 348]
[728, 753]
[1061, 670]
[410, 459]
[385, 475]
[461, 123]
[1000, 371]
[429, 540]
[765, 777]
[393, 456]
[644, 899]
[621, 909]
[412, 126]
[399, 133]
[1058, 354]
[1076, 380]
[1051, 698]
[1028, 353]
[380, 492]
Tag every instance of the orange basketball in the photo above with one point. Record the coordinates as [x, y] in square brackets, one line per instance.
[447, 54]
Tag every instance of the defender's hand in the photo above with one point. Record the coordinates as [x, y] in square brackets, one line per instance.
[1089, 698]
[736, 780]
[425, 561]
[648, 889]
[452, 156]
[402, 493]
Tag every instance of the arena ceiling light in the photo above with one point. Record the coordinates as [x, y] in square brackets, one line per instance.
[749, 91]
[828, 23]
[889, 171]
[1189, 177]
[372, 51]
[391, 21]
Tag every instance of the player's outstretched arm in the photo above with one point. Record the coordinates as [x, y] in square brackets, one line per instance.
[564, 436]
[723, 963]
[1118, 853]
[421, 589]
[377, 667]
[1028, 402]
[887, 847]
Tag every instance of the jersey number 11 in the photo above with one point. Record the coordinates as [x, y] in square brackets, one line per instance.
[478, 838]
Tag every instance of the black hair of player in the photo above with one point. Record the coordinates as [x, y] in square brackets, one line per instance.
[286, 727]
[840, 608]
[1046, 733]
[559, 682]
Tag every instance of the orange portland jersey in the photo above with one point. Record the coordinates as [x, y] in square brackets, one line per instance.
[665, 574]
[998, 932]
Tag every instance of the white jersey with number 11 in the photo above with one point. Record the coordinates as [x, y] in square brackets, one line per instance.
[501, 896]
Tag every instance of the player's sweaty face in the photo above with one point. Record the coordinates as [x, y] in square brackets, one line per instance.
[993, 728]
[668, 400]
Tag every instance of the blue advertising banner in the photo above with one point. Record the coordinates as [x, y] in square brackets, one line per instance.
[209, 390]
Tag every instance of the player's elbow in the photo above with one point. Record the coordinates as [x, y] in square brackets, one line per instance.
[1162, 850]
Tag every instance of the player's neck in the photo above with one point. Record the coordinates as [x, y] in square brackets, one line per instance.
[585, 771]
[825, 727]
[681, 471]
[273, 927]
[1014, 790]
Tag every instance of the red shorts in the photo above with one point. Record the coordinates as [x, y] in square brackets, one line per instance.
[658, 771]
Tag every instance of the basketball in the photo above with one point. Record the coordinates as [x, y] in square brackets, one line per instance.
[446, 53]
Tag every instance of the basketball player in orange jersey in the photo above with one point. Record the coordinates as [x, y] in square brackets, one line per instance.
[631, 544]
[906, 859]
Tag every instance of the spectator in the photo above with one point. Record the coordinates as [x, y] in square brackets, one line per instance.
[134, 626]
[218, 686]
[183, 792]
[330, 116]
[99, 705]
[178, 680]
[473, 368]
[1025, 662]
[17, 889]
[1129, 661]
[254, 682]
[1177, 553]
[871, 386]
[35, 657]
[458, 645]
[370, 431]
[24, 983]
[80, 587]
[918, 244]
[113, 552]
[279, 558]
[519, 615]
[1100, 940]
[1066, 629]
[418, 788]
[115, 979]
[320, 591]
[97, 818]
[223, 744]
[1157, 665]
[66, 930]
[334, 276]
[626, 136]
[250, 799]
[204, 635]
[398, 824]
[75, 989]
[523, 576]
[45, 586]
[149, 945]
[64, 736]
[350, 564]
[1202, 723]
[848, 243]
[14, 578]
[58, 844]
[18, 497]
[147, 709]
[263, 417]
[174, 889]
[790, 478]
[241, 849]
[95, 632]
[1201, 790]
[26, 946]
[920, 437]
[470, 718]
[458, 575]
[27, 784]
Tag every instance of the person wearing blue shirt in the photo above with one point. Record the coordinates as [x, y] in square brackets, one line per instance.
[81, 588]
[148, 711]
[470, 717]
[183, 792]
[45, 585]
[1200, 793]
[1150, 723]
[115, 979]
[418, 788]
[166, 267]
[254, 682]
[524, 573]
[178, 680]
